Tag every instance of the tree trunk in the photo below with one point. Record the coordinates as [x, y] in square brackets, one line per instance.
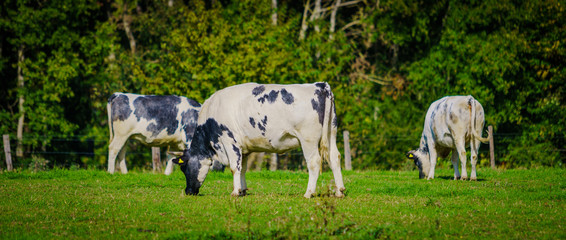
[126, 19]
[316, 15]
[21, 109]
[170, 3]
[304, 25]
[333, 20]
[274, 12]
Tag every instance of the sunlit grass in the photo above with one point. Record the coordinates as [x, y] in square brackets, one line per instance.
[379, 204]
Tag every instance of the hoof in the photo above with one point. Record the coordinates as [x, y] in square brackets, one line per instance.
[464, 178]
[340, 193]
[239, 193]
[473, 179]
[308, 195]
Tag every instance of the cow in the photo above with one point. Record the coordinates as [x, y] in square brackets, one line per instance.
[451, 123]
[153, 120]
[252, 117]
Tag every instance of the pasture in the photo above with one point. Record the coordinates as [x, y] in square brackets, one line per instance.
[503, 204]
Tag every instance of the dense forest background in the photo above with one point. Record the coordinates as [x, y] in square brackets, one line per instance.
[385, 60]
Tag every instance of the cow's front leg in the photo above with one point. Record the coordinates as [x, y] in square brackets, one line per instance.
[243, 183]
[432, 157]
[238, 168]
[238, 191]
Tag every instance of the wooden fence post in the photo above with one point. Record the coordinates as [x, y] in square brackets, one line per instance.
[273, 163]
[491, 146]
[156, 157]
[347, 156]
[8, 152]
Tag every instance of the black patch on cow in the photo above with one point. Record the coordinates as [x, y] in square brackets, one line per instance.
[271, 97]
[204, 135]
[261, 125]
[287, 97]
[162, 109]
[252, 122]
[189, 120]
[320, 85]
[258, 90]
[319, 103]
[264, 121]
[425, 145]
[120, 107]
[237, 151]
[193, 103]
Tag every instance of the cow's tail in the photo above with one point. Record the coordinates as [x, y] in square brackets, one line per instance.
[473, 119]
[109, 109]
[327, 126]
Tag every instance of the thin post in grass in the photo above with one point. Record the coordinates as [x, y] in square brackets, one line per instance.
[491, 146]
[347, 156]
[8, 152]
[156, 157]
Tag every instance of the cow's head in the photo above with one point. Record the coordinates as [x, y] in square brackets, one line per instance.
[195, 171]
[421, 161]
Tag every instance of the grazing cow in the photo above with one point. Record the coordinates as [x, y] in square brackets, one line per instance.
[451, 123]
[154, 120]
[252, 117]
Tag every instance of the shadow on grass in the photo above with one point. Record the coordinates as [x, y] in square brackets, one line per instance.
[452, 178]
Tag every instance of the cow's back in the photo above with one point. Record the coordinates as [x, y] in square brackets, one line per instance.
[152, 119]
[448, 116]
[260, 115]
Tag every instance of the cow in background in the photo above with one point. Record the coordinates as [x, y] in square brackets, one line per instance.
[452, 123]
[156, 121]
[252, 117]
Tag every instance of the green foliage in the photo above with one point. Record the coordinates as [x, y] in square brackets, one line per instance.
[387, 61]
[379, 204]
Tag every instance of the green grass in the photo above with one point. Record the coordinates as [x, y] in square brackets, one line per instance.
[503, 204]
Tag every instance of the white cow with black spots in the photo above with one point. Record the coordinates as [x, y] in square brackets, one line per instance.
[156, 121]
[264, 118]
[451, 123]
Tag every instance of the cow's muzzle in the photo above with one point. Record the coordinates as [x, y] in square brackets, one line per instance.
[191, 191]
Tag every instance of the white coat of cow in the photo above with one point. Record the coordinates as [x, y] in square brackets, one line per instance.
[452, 123]
[264, 118]
[154, 120]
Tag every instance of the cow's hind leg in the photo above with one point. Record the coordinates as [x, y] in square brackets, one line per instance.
[474, 146]
[454, 159]
[334, 163]
[461, 149]
[122, 158]
[314, 164]
[115, 147]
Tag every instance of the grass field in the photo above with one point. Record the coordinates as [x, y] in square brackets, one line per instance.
[503, 204]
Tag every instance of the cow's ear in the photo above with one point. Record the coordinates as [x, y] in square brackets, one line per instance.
[410, 155]
[178, 160]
